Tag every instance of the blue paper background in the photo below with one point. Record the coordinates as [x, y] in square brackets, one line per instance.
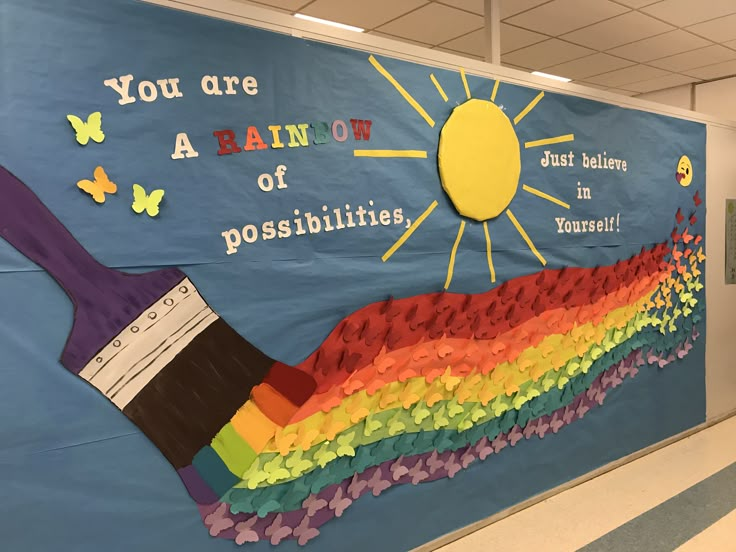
[75, 474]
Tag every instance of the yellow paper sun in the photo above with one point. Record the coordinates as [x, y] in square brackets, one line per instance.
[480, 163]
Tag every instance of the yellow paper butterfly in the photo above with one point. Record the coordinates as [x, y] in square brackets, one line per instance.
[91, 129]
[99, 187]
[146, 202]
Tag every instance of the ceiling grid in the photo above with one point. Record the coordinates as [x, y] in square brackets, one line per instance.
[625, 46]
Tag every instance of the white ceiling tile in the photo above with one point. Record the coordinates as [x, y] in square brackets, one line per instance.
[716, 71]
[475, 6]
[588, 66]
[400, 39]
[591, 85]
[441, 49]
[433, 24]
[667, 44]
[660, 83]
[283, 5]
[623, 29]
[517, 67]
[544, 54]
[718, 30]
[688, 12]
[695, 58]
[621, 92]
[264, 6]
[472, 43]
[513, 38]
[512, 7]
[622, 77]
[636, 3]
[367, 15]
[561, 16]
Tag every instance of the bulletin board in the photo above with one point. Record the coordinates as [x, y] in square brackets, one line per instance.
[258, 290]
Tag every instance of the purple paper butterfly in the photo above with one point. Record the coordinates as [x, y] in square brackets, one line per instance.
[217, 522]
[313, 504]
[245, 531]
[452, 465]
[276, 531]
[339, 502]
[304, 532]
[483, 448]
[398, 470]
[377, 483]
[417, 473]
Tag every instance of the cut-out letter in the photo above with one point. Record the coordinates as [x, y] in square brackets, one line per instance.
[183, 147]
[147, 91]
[211, 85]
[169, 88]
[321, 132]
[250, 86]
[121, 86]
[297, 135]
[226, 139]
[253, 140]
[229, 82]
[361, 129]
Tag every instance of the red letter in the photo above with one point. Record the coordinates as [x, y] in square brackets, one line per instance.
[361, 129]
[253, 138]
[227, 142]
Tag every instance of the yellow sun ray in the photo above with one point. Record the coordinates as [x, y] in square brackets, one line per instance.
[408, 97]
[438, 87]
[409, 231]
[418, 154]
[524, 112]
[547, 141]
[453, 253]
[495, 91]
[465, 82]
[488, 252]
[526, 237]
[548, 197]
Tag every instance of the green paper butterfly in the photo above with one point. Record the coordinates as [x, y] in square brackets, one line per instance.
[146, 202]
[86, 130]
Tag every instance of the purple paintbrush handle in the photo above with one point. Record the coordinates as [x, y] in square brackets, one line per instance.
[105, 300]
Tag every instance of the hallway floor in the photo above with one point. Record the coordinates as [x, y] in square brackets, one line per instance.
[681, 497]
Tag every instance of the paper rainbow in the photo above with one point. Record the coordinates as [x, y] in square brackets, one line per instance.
[412, 390]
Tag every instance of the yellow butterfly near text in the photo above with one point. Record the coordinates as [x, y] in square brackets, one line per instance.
[98, 187]
[146, 202]
[90, 129]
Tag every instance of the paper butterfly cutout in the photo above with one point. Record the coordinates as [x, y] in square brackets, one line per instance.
[679, 216]
[696, 199]
[146, 202]
[304, 532]
[245, 531]
[99, 187]
[90, 129]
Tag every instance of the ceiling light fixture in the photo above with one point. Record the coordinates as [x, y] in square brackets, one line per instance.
[331, 23]
[553, 77]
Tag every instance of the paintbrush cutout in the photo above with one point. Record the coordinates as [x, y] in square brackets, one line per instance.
[149, 342]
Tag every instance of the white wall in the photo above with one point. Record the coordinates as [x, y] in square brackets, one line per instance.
[720, 351]
[717, 98]
[679, 96]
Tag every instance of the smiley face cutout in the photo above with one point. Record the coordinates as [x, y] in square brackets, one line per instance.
[684, 174]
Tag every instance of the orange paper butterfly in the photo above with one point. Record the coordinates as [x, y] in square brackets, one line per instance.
[99, 187]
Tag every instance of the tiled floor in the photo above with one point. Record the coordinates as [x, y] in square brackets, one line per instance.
[681, 497]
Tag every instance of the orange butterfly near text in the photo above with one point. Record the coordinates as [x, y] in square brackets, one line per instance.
[98, 187]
